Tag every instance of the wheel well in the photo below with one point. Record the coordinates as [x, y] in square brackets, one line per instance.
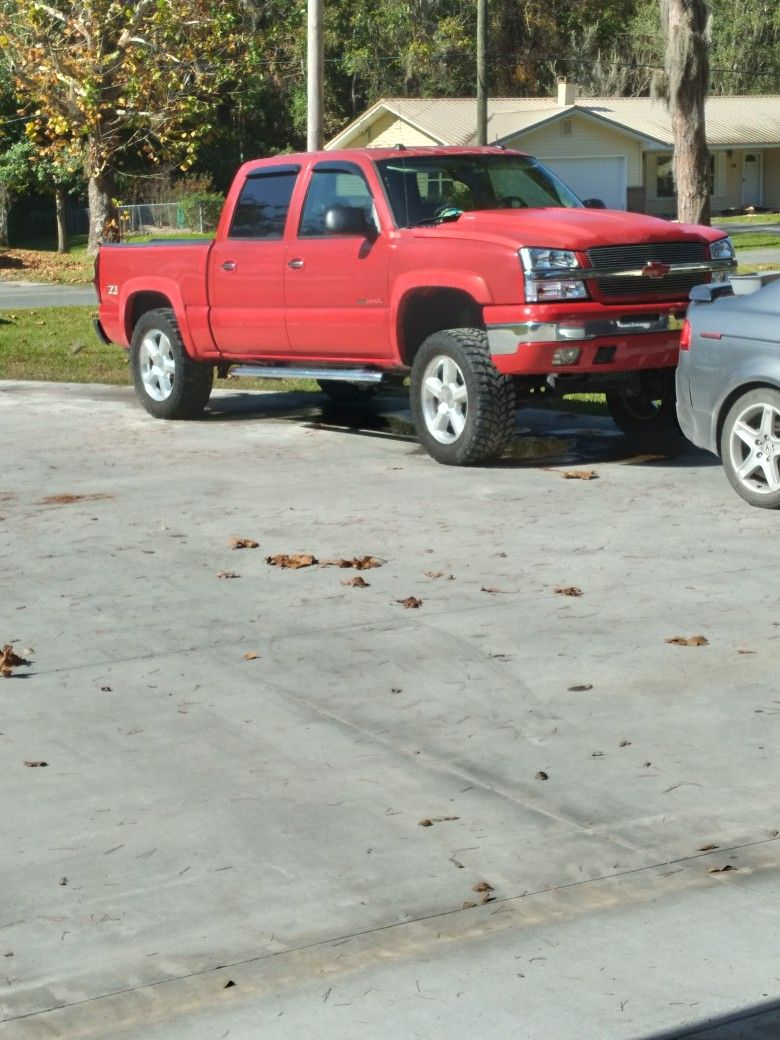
[429, 310]
[745, 388]
[141, 304]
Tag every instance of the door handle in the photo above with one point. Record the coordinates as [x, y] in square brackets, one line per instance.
[229, 265]
[296, 264]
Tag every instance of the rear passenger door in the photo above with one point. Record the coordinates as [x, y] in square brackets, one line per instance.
[246, 269]
[336, 284]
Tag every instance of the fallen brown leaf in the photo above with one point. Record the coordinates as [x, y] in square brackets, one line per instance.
[357, 582]
[291, 561]
[579, 474]
[487, 898]
[429, 821]
[251, 656]
[411, 602]
[358, 563]
[745, 651]
[36, 764]
[541, 775]
[624, 743]
[243, 543]
[708, 848]
[10, 660]
[491, 590]
[482, 886]
[690, 641]
[466, 906]
[581, 687]
[434, 574]
[66, 499]
[721, 870]
[568, 590]
[227, 574]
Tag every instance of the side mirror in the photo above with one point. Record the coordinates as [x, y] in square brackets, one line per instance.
[594, 203]
[349, 220]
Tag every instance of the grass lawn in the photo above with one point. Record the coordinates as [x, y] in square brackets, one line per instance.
[755, 240]
[748, 218]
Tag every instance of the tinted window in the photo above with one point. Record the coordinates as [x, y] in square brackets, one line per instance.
[419, 187]
[262, 206]
[333, 187]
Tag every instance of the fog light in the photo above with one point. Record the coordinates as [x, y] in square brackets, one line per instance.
[566, 356]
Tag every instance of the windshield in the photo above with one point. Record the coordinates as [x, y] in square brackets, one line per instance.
[430, 188]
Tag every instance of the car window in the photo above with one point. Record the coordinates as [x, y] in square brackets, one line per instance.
[262, 207]
[421, 187]
[333, 187]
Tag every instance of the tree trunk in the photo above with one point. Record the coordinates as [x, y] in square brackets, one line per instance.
[60, 201]
[5, 205]
[686, 27]
[103, 217]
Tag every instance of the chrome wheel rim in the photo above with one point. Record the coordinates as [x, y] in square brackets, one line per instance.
[444, 399]
[157, 365]
[754, 448]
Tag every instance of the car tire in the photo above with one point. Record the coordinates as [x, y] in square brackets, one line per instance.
[168, 383]
[750, 447]
[649, 412]
[463, 408]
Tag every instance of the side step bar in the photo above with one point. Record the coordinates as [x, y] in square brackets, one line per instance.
[345, 375]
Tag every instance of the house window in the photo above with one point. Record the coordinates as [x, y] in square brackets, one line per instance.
[664, 177]
[566, 128]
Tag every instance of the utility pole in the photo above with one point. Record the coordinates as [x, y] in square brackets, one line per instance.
[314, 77]
[481, 74]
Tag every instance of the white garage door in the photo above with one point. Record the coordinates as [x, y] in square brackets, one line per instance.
[603, 179]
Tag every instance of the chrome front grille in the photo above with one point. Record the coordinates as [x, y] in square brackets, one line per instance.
[674, 286]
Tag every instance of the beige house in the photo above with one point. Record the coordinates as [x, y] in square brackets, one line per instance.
[615, 149]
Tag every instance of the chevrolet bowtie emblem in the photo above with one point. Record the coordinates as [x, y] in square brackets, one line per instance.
[655, 269]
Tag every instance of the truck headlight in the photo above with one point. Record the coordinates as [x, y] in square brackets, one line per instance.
[545, 275]
[548, 259]
[722, 249]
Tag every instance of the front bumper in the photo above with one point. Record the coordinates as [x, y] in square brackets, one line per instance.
[588, 340]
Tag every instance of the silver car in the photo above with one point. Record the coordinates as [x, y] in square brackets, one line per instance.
[728, 381]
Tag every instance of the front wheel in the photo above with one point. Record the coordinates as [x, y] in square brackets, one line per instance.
[750, 447]
[647, 410]
[168, 383]
[463, 408]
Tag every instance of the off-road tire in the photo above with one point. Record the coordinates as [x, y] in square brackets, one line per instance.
[651, 414]
[475, 416]
[168, 383]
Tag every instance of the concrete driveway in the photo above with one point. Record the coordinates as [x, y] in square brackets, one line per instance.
[245, 801]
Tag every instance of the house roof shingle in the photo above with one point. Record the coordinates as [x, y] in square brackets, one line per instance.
[731, 121]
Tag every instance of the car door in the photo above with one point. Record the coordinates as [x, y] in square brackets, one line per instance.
[336, 283]
[246, 268]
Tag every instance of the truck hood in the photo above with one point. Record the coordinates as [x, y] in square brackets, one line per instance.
[563, 228]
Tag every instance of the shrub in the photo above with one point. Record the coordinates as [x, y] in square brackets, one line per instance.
[200, 210]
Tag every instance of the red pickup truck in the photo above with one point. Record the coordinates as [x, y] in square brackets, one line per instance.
[474, 271]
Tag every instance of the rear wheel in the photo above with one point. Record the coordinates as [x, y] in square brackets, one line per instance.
[463, 408]
[169, 384]
[750, 447]
[648, 409]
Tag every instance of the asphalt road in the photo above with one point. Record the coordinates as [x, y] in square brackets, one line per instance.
[30, 295]
[244, 801]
